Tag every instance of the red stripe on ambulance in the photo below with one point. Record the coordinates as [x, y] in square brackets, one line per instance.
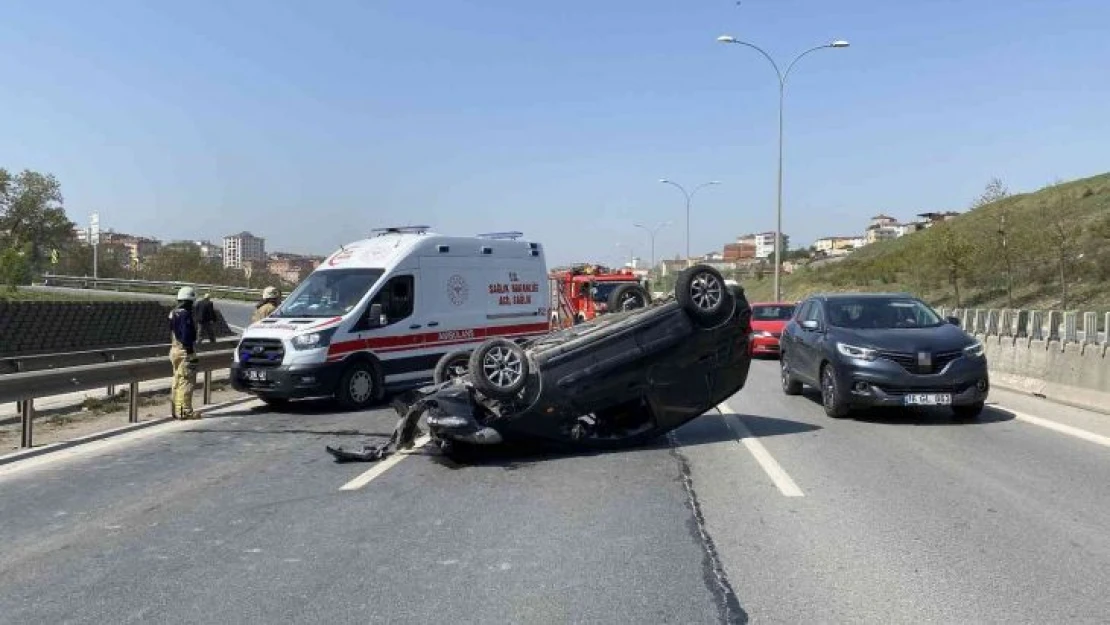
[407, 342]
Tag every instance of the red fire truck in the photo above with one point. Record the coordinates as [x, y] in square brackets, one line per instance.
[585, 291]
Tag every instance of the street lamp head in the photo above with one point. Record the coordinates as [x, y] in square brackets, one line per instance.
[839, 43]
[714, 182]
[726, 39]
[664, 181]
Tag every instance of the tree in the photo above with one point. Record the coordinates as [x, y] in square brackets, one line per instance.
[1062, 234]
[955, 255]
[32, 216]
[14, 267]
[1007, 260]
[994, 191]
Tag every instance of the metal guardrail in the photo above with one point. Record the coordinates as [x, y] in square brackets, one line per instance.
[44, 362]
[25, 387]
[89, 282]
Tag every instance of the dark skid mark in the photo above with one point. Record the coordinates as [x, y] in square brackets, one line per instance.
[728, 604]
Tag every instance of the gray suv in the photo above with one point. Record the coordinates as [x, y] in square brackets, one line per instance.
[882, 349]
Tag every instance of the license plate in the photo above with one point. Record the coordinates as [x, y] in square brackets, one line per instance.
[928, 399]
[256, 375]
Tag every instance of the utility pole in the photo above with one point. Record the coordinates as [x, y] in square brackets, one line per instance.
[94, 239]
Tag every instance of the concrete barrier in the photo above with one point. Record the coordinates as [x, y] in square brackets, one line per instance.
[1061, 355]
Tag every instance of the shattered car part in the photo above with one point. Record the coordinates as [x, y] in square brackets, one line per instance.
[617, 381]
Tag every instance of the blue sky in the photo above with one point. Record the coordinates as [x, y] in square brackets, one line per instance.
[311, 123]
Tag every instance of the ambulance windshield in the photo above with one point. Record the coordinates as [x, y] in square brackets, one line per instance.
[329, 293]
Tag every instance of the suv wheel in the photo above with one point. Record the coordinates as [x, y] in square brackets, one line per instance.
[832, 397]
[499, 368]
[628, 297]
[702, 292]
[360, 386]
[790, 386]
[452, 365]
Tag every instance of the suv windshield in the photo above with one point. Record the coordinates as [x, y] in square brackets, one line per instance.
[881, 313]
[772, 313]
[328, 293]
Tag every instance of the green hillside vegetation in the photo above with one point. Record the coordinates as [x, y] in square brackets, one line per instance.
[1044, 250]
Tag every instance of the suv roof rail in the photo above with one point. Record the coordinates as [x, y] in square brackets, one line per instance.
[400, 230]
[512, 236]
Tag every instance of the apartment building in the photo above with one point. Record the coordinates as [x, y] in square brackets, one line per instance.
[243, 248]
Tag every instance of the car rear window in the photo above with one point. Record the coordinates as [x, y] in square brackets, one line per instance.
[772, 313]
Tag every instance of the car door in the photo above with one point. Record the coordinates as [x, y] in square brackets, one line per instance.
[398, 342]
[811, 340]
[791, 341]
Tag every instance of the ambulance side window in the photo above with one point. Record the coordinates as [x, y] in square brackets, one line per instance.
[396, 298]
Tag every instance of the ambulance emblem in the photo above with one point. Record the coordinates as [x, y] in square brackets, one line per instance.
[457, 290]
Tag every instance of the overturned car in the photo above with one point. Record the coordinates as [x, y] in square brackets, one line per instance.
[617, 381]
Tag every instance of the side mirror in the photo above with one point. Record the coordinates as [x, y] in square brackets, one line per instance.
[953, 320]
[376, 318]
[809, 325]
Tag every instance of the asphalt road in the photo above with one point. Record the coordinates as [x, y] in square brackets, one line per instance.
[236, 312]
[778, 514]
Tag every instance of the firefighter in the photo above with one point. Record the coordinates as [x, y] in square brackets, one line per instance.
[205, 313]
[267, 306]
[183, 357]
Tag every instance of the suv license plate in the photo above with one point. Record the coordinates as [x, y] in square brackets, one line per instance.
[256, 375]
[928, 399]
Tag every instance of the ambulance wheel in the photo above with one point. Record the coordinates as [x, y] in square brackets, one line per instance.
[451, 365]
[499, 368]
[360, 386]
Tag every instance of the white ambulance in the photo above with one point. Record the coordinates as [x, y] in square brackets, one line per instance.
[380, 313]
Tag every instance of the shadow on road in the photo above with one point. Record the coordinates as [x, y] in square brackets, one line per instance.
[705, 430]
[359, 433]
[923, 416]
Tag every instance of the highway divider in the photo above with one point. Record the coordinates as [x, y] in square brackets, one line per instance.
[25, 387]
[1059, 355]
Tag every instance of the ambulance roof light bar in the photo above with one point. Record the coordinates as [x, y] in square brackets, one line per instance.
[512, 236]
[400, 230]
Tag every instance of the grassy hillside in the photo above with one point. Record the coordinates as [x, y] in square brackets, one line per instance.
[1056, 256]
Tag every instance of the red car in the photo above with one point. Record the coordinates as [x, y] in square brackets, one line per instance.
[768, 320]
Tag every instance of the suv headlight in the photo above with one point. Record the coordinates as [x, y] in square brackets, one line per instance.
[764, 334]
[313, 340]
[975, 350]
[851, 351]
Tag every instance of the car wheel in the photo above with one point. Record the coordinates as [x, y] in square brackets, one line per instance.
[452, 365]
[274, 402]
[702, 292]
[790, 386]
[628, 297]
[360, 386]
[832, 398]
[499, 368]
[968, 412]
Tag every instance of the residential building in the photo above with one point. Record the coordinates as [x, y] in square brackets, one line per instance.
[936, 217]
[738, 251]
[881, 221]
[876, 233]
[242, 248]
[292, 268]
[829, 245]
[765, 244]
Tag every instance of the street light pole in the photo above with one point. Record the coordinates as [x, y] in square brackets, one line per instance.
[652, 232]
[689, 197]
[782, 76]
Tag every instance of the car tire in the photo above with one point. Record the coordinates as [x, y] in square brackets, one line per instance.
[628, 297]
[790, 386]
[969, 412]
[703, 294]
[451, 365]
[499, 368]
[360, 386]
[274, 402]
[832, 397]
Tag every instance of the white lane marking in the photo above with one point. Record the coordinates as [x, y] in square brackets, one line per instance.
[385, 465]
[236, 328]
[770, 466]
[1090, 437]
